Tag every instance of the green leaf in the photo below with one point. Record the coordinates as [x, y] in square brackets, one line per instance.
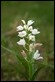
[20, 58]
[35, 73]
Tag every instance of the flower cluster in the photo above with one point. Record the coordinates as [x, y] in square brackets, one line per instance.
[27, 31]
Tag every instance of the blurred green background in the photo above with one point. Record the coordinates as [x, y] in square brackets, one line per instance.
[12, 12]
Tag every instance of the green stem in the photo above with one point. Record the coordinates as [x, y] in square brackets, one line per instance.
[26, 49]
[30, 70]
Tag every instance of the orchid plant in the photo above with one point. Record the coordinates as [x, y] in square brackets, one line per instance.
[27, 35]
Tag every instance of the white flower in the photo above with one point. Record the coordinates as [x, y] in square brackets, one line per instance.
[22, 34]
[19, 28]
[31, 37]
[37, 55]
[21, 42]
[30, 22]
[35, 31]
[23, 21]
[30, 28]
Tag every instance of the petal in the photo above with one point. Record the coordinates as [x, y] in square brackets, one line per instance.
[31, 37]
[36, 54]
[23, 21]
[38, 44]
[21, 42]
[19, 28]
[39, 58]
[30, 22]
[38, 32]
[22, 34]
[35, 31]
[30, 28]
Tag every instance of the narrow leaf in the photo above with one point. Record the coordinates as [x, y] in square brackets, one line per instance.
[20, 58]
[36, 73]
